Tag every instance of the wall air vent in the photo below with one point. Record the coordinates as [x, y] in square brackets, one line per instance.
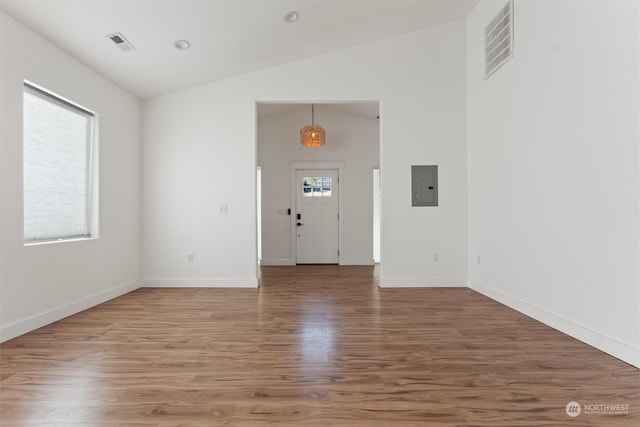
[122, 43]
[498, 40]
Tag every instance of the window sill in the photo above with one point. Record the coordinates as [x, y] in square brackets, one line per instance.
[51, 242]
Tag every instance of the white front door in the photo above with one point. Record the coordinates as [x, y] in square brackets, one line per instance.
[317, 216]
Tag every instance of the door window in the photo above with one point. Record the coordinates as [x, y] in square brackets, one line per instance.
[317, 186]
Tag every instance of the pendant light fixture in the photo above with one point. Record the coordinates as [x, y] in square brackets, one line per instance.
[312, 135]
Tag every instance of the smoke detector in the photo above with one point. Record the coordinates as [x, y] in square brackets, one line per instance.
[119, 40]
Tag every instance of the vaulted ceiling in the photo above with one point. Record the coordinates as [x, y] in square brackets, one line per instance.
[227, 38]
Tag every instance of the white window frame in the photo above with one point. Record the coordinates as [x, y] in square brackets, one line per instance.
[92, 165]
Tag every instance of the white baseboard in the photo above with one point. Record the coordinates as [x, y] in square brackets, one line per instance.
[343, 261]
[201, 282]
[604, 343]
[42, 319]
[422, 282]
[276, 261]
[356, 261]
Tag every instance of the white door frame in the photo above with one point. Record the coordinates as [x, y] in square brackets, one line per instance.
[293, 167]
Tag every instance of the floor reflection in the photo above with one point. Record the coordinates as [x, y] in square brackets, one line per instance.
[318, 332]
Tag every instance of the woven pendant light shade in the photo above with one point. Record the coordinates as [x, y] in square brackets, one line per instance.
[312, 136]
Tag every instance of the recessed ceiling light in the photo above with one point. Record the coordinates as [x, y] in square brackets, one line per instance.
[291, 16]
[182, 44]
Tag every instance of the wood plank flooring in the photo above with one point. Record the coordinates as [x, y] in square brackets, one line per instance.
[314, 346]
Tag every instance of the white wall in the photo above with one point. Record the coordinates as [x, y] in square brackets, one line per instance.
[200, 152]
[354, 140]
[43, 283]
[553, 169]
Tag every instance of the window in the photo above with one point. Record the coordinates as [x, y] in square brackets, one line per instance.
[316, 186]
[57, 167]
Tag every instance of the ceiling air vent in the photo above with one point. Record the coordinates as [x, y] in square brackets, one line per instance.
[498, 40]
[119, 40]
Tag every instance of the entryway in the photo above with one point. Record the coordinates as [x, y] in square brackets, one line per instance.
[352, 149]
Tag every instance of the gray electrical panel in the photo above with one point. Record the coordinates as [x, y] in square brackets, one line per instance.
[424, 185]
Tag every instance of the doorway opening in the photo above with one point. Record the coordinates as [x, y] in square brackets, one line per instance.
[259, 212]
[376, 215]
[352, 146]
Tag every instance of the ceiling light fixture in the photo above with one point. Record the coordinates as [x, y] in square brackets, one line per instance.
[182, 44]
[291, 16]
[312, 136]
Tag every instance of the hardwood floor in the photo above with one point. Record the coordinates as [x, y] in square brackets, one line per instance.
[314, 346]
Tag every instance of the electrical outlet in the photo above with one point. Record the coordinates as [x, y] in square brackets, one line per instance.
[190, 258]
[224, 208]
[436, 257]
[478, 259]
